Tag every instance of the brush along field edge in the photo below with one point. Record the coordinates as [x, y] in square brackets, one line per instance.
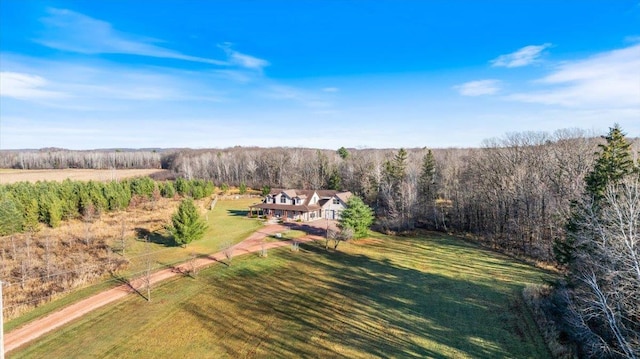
[33, 330]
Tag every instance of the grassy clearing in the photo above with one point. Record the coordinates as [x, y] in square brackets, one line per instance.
[420, 297]
[228, 224]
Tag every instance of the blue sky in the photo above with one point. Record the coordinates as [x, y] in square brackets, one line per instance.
[325, 74]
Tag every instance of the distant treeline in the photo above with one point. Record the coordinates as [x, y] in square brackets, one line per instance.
[55, 158]
[24, 205]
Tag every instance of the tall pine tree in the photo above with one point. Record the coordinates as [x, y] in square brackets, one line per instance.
[603, 253]
[186, 224]
[357, 217]
[427, 191]
[613, 163]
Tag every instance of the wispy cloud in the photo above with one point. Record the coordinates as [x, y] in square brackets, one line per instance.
[26, 87]
[479, 88]
[523, 57]
[632, 38]
[71, 31]
[306, 98]
[243, 60]
[609, 79]
[330, 89]
[102, 85]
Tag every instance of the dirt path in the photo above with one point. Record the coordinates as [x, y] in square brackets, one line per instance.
[39, 327]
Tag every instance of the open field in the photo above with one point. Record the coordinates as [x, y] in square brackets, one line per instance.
[429, 296]
[12, 175]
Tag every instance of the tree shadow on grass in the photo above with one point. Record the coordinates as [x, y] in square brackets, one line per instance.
[336, 304]
[125, 281]
[237, 213]
[155, 237]
[311, 230]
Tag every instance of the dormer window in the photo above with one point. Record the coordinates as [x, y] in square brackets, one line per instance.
[298, 201]
[283, 199]
[336, 201]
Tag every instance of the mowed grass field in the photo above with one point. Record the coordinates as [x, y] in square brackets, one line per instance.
[425, 297]
[227, 224]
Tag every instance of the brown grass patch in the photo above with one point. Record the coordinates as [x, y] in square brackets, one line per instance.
[12, 176]
[43, 265]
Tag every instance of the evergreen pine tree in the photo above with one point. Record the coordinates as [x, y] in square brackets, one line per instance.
[10, 216]
[357, 217]
[30, 215]
[167, 190]
[343, 153]
[613, 163]
[427, 191]
[334, 180]
[186, 224]
[427, 177]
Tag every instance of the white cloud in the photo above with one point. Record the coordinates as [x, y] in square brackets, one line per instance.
[330, 89]
[610, 79]
[26, 86]
[479, 88]
[71, 31]
[523, 57]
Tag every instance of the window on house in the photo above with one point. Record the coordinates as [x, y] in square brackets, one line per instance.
[336, 201]
[297, 200]
[283, 199]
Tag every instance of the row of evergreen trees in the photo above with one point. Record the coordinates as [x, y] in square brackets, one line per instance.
[24, 205]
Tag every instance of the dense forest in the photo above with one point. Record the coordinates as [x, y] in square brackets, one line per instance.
[537, 195]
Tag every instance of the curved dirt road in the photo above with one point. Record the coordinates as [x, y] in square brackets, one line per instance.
[39, 327]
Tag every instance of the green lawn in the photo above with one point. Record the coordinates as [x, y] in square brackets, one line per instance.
[227, 224]
[432, 296]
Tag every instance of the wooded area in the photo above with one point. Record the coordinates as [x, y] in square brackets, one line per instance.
[514, 192]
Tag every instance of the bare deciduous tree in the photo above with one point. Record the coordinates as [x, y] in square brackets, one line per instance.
[227, 250]
[607, 270]
[193, 268]
[148, 264]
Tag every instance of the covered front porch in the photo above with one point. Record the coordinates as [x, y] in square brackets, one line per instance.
[285, 214]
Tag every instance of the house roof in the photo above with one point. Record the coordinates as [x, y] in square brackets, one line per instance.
[287, 207]
[344, 196]
[290, 193]
[324, 195]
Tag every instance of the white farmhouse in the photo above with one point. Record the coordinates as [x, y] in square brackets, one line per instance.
[302, 205]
